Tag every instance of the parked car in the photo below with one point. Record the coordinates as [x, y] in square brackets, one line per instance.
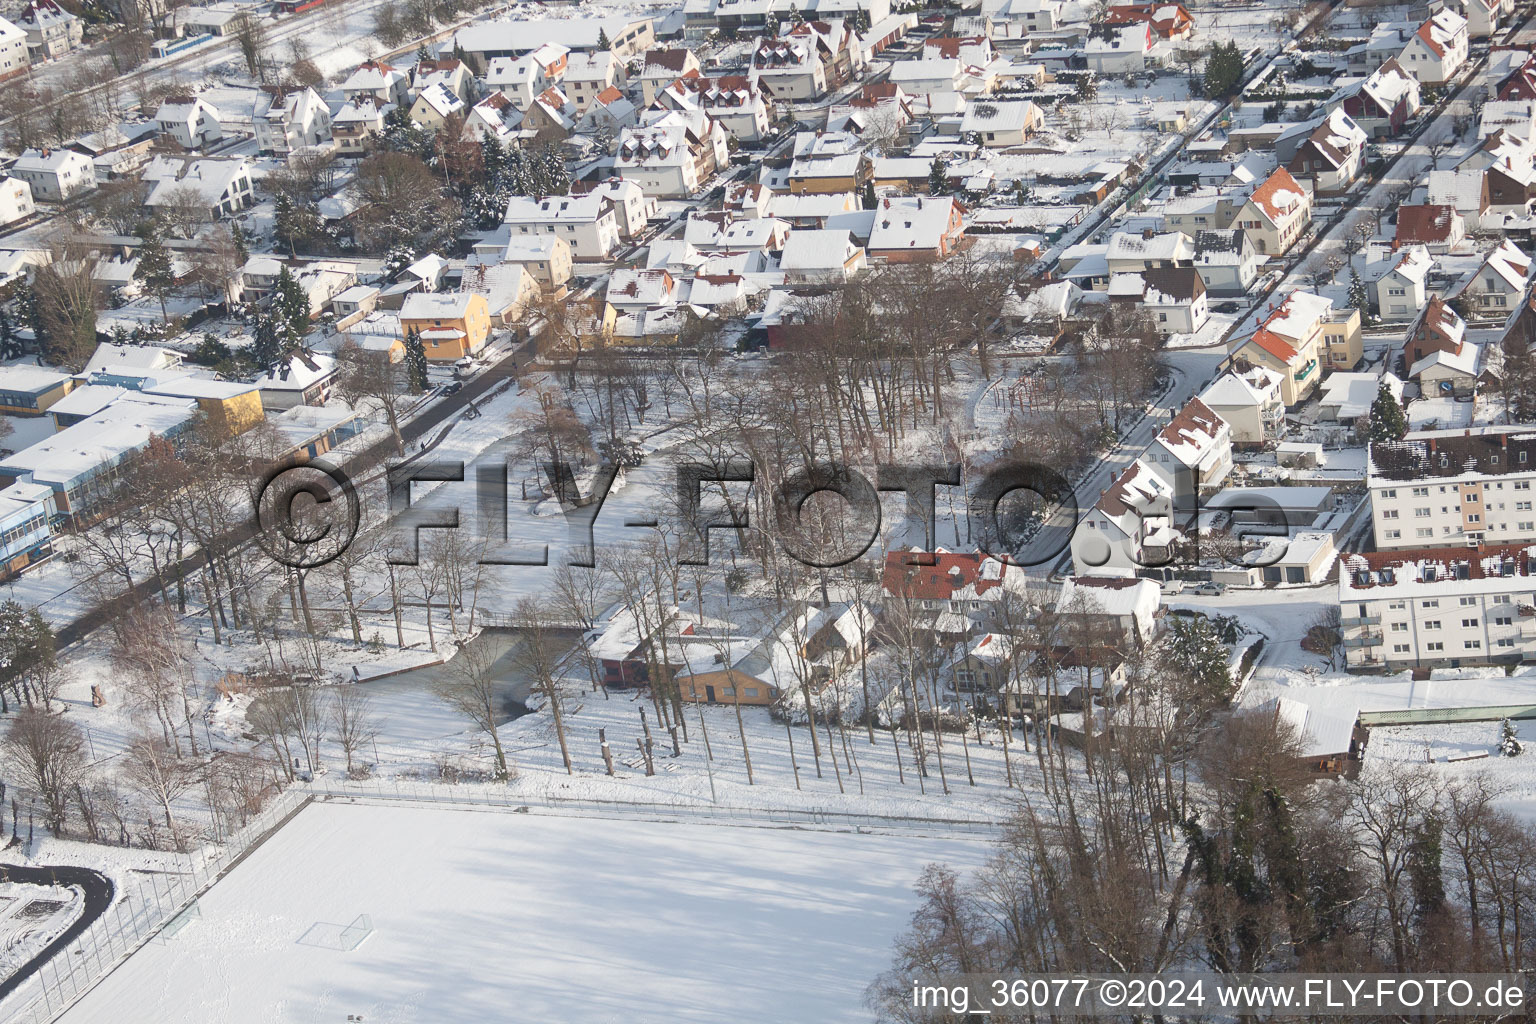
[1225, 307]
[1173, 586]
[1211, 589]
[453, 387]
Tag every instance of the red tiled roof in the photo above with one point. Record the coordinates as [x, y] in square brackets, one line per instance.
[951, 571]
[1275, 345]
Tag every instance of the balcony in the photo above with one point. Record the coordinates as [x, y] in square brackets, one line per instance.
[1360, 620]
[1364, 640]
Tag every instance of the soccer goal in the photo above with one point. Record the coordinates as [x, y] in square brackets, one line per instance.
[343, 937]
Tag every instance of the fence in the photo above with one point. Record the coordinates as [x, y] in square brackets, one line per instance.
[140, 910]
[501, 796]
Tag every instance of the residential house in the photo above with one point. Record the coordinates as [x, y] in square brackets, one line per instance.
[1169, 21]
[972, 50]
[1459, 487]
[1518, 82]
[929, 77]
[54, 174]
[1495, 288]
[638, 291]
[546, 258]
[1464, 189]
[1437, 604]
[1276, 214]
[626, 36]
[192, 121]
[1126, 610]
[819, 257]
[987, 664]
[435, 105]
[1483, 17]
[732, 101]
[1437, 51]
[508, 288]
[551, 115]
[661, 67]
[357, 123]
[878, 113]
[288, 120]
[51, 30]
[804, 650]
[452, 324]
[1118, 49]
[1250, 404]
[1226, 261]
[588, 75]
[449, 71]
[1383, 102]
[790, 69]
[829, 162]
[1437, 228]
[521, 78]
[13, 51]
[807, 210]
[1192, 454]
[375, 80]
[1129, 528]
[1402, 290]
[673, 155]
[632, 205]
[1332, 156]
[1174, 298]
[15, 200]
[217, 187]
[1437, 348]
[916, 229]
[1299, 338]
[299, 378]
[609, 113]
[587, 223]
[1019, 19]
[962, 584]
[493, 116]
[1002, 123]
[1129, 253]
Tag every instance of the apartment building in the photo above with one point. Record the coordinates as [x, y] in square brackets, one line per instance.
[587, 223]
[1438, 607]
[1454, 487]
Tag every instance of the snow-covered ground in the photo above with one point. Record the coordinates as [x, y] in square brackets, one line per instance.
[502, 916]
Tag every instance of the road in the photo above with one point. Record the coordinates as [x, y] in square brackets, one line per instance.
[97, 888]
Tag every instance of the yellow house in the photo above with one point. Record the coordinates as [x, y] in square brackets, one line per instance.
[452, 324]
[227, 406]
[30, 390]
[436, 104]
[1343, 346]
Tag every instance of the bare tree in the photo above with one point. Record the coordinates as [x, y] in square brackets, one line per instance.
[152, 767]
[45, 752]
[368, 376]
[353, 721]
[468, 686]
[541, 652]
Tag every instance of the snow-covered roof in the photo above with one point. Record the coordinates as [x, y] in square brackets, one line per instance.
[436, 306]
[1351, 395]
[1255, 387]
[808, 249]
[911, 223]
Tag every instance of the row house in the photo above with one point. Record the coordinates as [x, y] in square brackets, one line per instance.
[625, 36]
[833, 162]
[1457, 487]
[882, 106]
[673, 155]
[732, 101]
[1438, 606]
[449, 72]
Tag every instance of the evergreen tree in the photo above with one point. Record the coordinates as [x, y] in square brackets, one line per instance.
[266, 347]
[603, 42]
[290, 308]
[120, 335]
[1509, 743]
[242, 248]
[295, 223]
[870, 199]
[10, 344]
[211, 352]
[422, 53]
[1387, 420]
[1425, 874]
[1223, 70]
[31, 313]
[416, 361]
[938, 177]
[153, 270]
[1358, 296]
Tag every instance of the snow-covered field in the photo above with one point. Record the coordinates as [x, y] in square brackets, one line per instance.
[502, 916]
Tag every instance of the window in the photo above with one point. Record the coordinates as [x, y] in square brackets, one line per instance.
[1399, 627]
[1391, 493]
[1421, 492]
[728, 691]
[1421, 513]
[1424, 532]
[749, 691]
[1394, 534]
[1471, 498]
[1473, 517]
[1503, 620]
[1390, 513]
[1397, 606]
[1435, 603]
[1472, 645]
[1522, 506]
[1400, 648]
[1507, 641]
[1468, 623]
[1432, 624]
[1436, 646]
[1526, 526]
[1467, 601]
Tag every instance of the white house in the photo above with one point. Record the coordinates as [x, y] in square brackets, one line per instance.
[1402, 290]
[1174, 298]
[1128, 528]
[287, 120]
[1192, 454]
[1438, 49]
[999, 123]
[13, 51]
[1128, 606]
[1118, 49]
[587, 223]
[15, 200]
[51, 30]
[1496, 287]
[790, 69]
[191, 120]
[1249, 403]
[55, 174]
[1226, 260]
[673, 155]
[222, 188]
[814, 257]
[383, 83]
